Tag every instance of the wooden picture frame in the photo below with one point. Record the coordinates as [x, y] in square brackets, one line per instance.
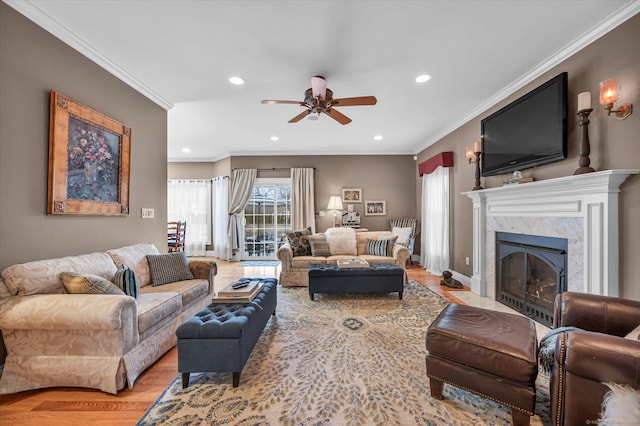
[375, 208]
[89, 159]
[351, 195]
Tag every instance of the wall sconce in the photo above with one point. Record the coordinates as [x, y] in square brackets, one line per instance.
[473, 155]
[609, 92]
[335, 204]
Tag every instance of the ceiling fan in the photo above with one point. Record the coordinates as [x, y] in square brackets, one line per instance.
[318, 99]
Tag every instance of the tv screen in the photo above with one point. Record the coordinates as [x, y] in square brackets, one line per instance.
[528, 132]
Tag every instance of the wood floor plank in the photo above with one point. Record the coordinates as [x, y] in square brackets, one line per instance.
[77, 406]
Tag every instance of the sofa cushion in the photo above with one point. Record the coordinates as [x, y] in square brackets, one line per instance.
[304, 261]
[189, 290]
[135, 257]
[154, 307]
[341, 241]
[319, 245]
[126, 281]
[168, 268]
[76, 283]
[298, 240]
[43, 276]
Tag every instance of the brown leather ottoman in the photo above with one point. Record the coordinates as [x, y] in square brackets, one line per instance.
[492, 354]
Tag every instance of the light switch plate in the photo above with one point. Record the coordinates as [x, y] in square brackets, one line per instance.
[148, 213]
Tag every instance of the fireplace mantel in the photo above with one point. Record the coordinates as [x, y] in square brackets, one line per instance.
[582, 208]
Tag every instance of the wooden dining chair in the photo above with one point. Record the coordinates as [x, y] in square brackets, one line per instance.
[176, 232]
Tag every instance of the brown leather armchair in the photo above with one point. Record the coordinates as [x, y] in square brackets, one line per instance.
[585, 359]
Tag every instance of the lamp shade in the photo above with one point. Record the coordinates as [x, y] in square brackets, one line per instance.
[608, 91]
[335, 203]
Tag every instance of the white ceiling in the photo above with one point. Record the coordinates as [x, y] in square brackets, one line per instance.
[180, 53]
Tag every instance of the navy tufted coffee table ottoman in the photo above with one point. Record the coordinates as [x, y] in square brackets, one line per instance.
[376, 278]
[220, 337]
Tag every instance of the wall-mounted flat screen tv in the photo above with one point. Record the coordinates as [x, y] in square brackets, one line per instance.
[528, 132]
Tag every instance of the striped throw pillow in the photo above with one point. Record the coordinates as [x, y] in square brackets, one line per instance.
[126, 281]
[88, 284]
[168, 268]
[319, 245]
[376, 247]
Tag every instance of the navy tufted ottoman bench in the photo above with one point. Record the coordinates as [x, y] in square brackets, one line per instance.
[220, 337]
[377, 278]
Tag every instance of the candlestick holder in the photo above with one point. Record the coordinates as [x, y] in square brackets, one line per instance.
[585, 148]
[476, 159]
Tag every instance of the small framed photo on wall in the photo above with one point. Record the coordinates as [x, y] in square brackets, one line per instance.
[375, 208]
[351, 195]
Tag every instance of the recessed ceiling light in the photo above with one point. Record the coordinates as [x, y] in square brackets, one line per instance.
[422, 78]
[186, 150]
[275, 138]
[378, 137]
[236, 81]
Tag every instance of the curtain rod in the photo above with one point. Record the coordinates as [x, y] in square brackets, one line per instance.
[278, 168]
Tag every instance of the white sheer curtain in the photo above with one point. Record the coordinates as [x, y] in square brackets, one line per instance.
[435, 219]
[302, 196]
[220, 217]
[190, 200]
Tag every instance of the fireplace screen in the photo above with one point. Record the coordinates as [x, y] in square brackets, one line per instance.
[531, 271]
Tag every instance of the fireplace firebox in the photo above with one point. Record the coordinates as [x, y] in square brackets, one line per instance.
[530, 271]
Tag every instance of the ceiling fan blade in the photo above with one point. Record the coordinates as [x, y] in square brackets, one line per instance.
[361, 100]
[338, 116]
[269, 101]
[300, 116]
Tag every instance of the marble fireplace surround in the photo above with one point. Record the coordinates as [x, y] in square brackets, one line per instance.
[581, 208]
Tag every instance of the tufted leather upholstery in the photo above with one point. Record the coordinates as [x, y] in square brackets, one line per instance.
[220, 337]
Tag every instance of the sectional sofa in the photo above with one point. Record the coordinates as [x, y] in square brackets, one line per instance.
[100, 341]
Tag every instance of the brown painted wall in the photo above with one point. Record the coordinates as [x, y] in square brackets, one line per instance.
[32, 62]
[614, 145]
[390, 178]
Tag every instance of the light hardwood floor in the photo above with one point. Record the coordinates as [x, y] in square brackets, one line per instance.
[75, 406]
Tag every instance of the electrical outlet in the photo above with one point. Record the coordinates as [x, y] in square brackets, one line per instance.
[466, 260]
[349, 207]
[148, 213]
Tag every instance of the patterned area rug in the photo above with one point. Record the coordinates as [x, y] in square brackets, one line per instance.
[339, 360]
[260, 263]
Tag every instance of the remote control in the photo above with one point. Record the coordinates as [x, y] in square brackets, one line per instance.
[239, 285]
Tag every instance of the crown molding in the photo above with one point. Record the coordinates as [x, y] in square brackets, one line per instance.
[609, 23]
[32, 12]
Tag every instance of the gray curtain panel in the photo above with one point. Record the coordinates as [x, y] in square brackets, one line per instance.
[241, 188]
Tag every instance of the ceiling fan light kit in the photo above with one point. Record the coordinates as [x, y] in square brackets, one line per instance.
[319, 99]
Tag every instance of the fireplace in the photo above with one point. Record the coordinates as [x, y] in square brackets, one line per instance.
[530, 271]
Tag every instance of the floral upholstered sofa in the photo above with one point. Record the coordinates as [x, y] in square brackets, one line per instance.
[341, 243]
[101, 341]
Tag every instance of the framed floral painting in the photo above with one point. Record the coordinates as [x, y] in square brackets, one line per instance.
[88, 161]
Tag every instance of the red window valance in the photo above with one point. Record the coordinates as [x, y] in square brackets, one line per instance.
[444, 159]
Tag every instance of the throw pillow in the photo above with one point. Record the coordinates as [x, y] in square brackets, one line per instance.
[391, 241]
[299, 242]
[168, 268]
[634, 334]
[377, 247]
[621, 405]
[88, 284]
[319, 245]
[126, 281]
[403, 234]
[342, 241]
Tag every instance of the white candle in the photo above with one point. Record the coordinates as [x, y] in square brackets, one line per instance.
[584, 101]
[476, 146]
